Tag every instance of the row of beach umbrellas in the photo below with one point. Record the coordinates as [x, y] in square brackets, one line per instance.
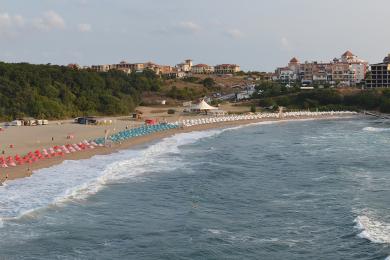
[136, 132]
[37, 155]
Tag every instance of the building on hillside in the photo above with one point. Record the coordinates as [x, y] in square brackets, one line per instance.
[341, 73]
[202, 69]
[121, 65]
[380, 74]
[357, 67]
[294, 65]
[226, 69]
[101, 68]
[74, 66]
[130, 67]
[185, 66]
[165, 69]
[286, 75]
[175, 73]
[348, 70]
[124, 70]
[153, 67]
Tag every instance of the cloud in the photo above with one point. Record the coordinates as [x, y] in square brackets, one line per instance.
[234, 33]
[9, 24]
[286, 44]
[84, 27]
[19, 20]
[49, 20]
[189, 26]
[180, 28]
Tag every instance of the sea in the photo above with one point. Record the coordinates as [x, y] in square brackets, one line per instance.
[309, 189]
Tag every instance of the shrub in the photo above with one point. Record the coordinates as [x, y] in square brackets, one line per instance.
[253, 108]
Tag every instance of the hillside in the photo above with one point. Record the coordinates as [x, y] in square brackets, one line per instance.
[48, 91]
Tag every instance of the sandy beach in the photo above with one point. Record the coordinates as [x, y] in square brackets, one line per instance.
[89, 132]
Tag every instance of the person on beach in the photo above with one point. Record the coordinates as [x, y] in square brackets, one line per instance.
[4, 180]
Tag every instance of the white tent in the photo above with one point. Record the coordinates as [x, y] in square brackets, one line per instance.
[203, 106]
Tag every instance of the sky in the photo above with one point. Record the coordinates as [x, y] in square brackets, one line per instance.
[256, 34]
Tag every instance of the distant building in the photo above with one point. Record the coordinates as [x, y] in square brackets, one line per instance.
[348, 70]
[74, 66]
[185, 66]
[380, 74]
[287, 75]
[226, 69]
[100, 68]
[202, 69]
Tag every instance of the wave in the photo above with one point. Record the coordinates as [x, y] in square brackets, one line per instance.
[376, 129]
[373, 230]
[78, 179]
[246, 238]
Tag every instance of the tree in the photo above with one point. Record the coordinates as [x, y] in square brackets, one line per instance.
[208, 83]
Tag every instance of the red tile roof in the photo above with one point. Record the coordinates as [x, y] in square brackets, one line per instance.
[348, 54]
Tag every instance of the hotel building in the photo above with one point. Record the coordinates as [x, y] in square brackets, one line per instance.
[380, 74]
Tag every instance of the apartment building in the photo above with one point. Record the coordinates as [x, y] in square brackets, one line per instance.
[348, 70]
[202, 69]
[101, 68]
[380, 74]
[226, 69]
[185, 66]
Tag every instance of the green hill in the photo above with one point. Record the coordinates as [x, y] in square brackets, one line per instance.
[55, 92]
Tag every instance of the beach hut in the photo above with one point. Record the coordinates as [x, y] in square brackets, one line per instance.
[87, 120]
[137, 115]
[16, 123]
[29, 121]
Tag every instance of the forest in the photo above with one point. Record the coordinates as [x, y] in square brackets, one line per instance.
[56, 92]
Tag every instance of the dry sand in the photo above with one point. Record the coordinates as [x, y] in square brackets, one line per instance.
[88, 132]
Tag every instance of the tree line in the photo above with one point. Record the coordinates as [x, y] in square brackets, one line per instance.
[272, 94]
[56, 92]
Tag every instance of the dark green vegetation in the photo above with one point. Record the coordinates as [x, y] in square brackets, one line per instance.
[323, 99]
[47, 91]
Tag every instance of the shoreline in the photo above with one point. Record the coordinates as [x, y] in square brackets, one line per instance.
[23, 171]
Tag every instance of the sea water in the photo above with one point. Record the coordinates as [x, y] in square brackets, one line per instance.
[282, 190]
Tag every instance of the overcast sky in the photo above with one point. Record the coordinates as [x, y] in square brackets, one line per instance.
[257, 34]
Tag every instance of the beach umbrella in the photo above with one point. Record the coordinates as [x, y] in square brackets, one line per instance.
[65, 149]
[11, 161]
[52, 152]
[38, 154]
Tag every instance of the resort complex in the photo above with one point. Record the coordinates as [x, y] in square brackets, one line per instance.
[181, 70]
[348, 70]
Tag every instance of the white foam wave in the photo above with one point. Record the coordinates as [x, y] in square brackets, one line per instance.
[376, 129]
[238, 237]
[76, 180]
[373, 230]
